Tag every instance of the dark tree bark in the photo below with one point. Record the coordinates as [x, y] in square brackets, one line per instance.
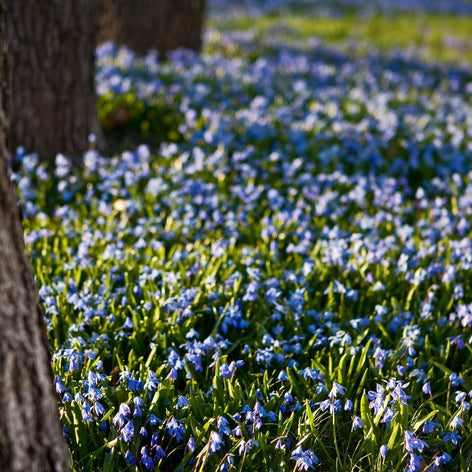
[51, 47]
[30, 432]
[164, 25]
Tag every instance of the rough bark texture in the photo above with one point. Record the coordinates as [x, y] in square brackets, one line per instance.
[51, 47]
[164, 25]
[30, 432]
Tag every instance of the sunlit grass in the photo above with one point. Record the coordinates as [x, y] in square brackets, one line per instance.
[443, 38]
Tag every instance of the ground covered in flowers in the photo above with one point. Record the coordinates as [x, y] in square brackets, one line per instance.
[284, 284]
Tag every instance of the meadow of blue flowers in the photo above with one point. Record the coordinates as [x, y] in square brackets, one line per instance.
[286, 285]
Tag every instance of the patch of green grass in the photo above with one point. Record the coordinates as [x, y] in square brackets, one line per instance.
[443, 38]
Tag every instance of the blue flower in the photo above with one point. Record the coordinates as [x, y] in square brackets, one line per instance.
[452, 436]
[172, 374]
[176, 429]
[335, 390]
[412, 442]
[103, 426]
[154, 439]
[182, 402]
[127, 433]
[383, 450]
[460, 397]
[279, 444]
[376, 398]
[444, 458]
[258, 422]
[426, 388]
[357, 422]
[129, 458]
[120, 418]
[456, 422]
[455, 379]
[146, 460]
[333, 406]
[134, 385]
[246, 446]
[216, 442]
[152, 382]
[388, 416]
[415, 463]
[67, 398]
[60, 388]
[222, 424]
[99, 408]
[429, 426]
[86, 413]
[397, 391]
[225, 371]
[190, 444]
[154, 420]
[283, 376]
[313, 374]
[160, 453]
[305, 459]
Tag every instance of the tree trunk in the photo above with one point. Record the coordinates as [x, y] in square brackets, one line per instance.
[51, 47]
[164, 25]
[30, 432]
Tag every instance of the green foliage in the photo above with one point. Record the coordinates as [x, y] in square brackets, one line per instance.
[127, 119]
[435, 37]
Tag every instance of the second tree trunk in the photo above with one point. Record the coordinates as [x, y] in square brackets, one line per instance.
[141, 25]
